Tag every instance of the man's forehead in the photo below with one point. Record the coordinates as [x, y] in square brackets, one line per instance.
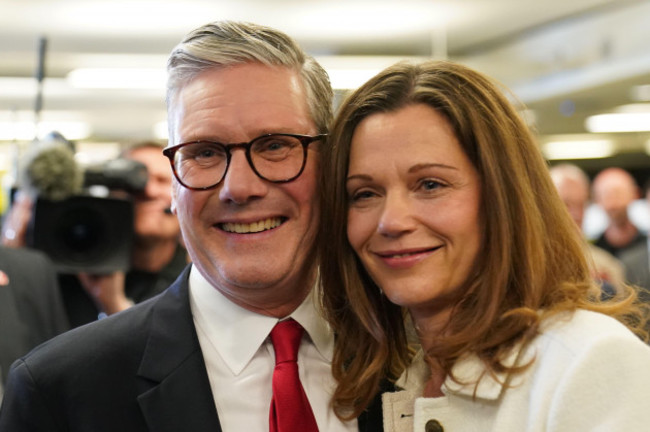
[223, 106]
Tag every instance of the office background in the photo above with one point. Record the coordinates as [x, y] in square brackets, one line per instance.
[94, 70]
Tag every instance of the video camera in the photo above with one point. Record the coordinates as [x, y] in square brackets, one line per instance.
[84, 232]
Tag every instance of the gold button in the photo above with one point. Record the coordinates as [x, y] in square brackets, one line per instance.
[433, 426]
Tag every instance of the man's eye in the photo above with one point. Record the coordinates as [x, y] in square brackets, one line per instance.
[206, 152]
[275, 144]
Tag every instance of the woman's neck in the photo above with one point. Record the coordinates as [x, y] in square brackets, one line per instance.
[428, 326]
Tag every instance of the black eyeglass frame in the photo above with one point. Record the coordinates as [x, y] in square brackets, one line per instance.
[305, 140]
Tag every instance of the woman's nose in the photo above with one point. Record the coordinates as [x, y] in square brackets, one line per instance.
[396, 217]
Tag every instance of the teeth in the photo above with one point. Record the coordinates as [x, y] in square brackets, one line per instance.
[402, 255]
[259, 226]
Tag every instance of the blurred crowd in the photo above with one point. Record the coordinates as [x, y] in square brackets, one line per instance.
[613, 212]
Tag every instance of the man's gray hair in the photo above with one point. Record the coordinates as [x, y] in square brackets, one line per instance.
[226, 43]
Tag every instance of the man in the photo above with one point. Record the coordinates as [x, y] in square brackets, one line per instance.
[614, 189]
[157, 256]
[572, 184]
[31, 310]
[198, 357]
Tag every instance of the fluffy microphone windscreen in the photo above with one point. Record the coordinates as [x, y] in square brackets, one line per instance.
[51, 171]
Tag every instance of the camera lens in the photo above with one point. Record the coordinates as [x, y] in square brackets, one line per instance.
[83, 231]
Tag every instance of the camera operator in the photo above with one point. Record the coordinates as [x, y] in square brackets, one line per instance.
[157, 254]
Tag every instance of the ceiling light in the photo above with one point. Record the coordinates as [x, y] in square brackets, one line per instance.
[350, 79]
[588, 149]
[619, 122]
[27, 130]
[633, 107]
[346, 72]
[349, 72]
[117, 78]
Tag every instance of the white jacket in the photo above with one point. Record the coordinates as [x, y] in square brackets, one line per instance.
[590, 373]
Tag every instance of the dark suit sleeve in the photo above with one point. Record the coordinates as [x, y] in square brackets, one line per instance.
[23, 408]
[31, 307]
[38, 299]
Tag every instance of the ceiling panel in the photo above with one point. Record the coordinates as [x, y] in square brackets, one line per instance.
[565, 60]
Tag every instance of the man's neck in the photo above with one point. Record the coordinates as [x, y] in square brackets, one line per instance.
[621, 234]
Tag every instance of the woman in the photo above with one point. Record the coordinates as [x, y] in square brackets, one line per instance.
[437, 202]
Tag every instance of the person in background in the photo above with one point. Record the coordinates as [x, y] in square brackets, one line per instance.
[157, 255]
[16, 220]
[614, 189]
[572, 184]
[248, 115]
[436, 201]
[31, 308]
[636, 260]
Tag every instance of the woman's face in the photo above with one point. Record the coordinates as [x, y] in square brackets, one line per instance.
[414, 205]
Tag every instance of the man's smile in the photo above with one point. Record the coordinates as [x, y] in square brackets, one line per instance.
[254, 227]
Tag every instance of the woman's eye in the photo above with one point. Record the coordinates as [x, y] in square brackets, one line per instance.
[431, 184]
[360, 195]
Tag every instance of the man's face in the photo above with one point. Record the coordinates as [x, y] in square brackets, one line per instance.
[252, 239]
[614, 192]
[575, 196]
[150, 219]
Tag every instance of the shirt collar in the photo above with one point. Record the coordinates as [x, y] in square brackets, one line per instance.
[467, 370]
[237, 333]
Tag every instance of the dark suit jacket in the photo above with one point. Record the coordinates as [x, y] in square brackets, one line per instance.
[637, 267]
[31, 309]
[139, 370]
[637, 271]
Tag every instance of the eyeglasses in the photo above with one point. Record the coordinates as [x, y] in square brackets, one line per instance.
[278, 158]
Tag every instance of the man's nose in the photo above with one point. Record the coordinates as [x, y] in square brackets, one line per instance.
[241, 184]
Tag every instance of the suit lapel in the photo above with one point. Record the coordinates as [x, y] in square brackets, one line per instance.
[176, 393]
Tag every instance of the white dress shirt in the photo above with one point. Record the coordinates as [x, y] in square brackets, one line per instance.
[240, 359]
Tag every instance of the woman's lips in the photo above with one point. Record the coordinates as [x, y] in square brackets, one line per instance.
[405, 258]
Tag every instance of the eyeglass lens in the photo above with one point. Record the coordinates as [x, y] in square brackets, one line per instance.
[274, 158]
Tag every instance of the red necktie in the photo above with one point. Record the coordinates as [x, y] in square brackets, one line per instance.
[290, 409]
